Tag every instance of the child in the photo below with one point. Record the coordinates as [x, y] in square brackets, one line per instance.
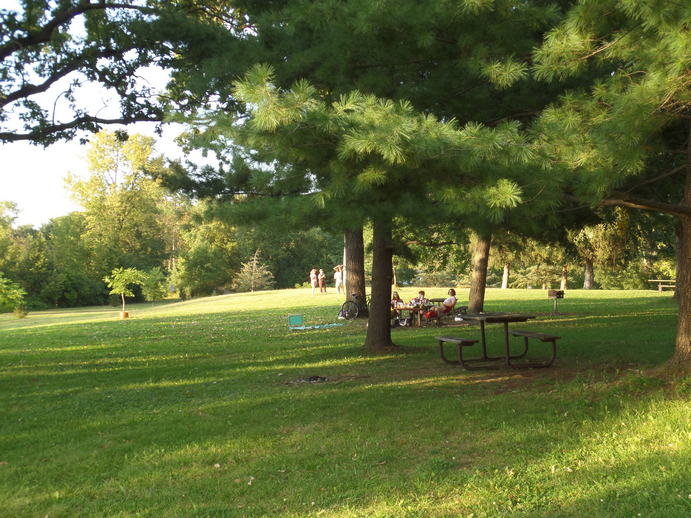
[420, 300]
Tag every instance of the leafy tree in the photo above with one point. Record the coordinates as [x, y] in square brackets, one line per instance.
[253, 276]
[602, 244]
[207, 260]
[11, 294]
[154, 285]
[23, 254]
[290, 253]
[73, 280]
[42, 53]
[122, 205]
[121, 280]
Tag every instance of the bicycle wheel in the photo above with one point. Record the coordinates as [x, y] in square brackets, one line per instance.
[349, 310]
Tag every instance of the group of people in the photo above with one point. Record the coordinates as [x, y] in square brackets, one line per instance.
[420, 302]
[318, 279]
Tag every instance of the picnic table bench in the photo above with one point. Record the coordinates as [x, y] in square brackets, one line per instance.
[543, 337]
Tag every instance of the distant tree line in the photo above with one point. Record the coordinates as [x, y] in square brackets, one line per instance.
[130, 221]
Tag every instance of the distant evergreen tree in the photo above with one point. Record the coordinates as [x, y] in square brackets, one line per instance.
[253, 276]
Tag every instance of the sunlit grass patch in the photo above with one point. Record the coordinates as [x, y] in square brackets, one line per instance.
[203, 408]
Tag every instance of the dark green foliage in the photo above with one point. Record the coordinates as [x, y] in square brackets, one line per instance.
[12, 296]
[58, 47]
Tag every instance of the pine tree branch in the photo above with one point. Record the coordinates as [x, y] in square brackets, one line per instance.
[604, 47]
[624, 200]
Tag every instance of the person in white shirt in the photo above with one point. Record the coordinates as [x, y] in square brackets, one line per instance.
[446, 307]
[338, 277]
[313, 279]
[449, 303]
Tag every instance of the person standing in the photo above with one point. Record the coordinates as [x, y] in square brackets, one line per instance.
[322, 281]
[338, 277]
[313, 279]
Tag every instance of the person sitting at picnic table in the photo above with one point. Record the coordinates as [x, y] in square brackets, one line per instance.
[396, 301]
[420, 300]
[446, 307]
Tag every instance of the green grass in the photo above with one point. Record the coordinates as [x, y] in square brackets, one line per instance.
[196, 409]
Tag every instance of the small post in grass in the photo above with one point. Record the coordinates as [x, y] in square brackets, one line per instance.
[555, 295]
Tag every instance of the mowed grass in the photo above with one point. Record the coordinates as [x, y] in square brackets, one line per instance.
[197, 409]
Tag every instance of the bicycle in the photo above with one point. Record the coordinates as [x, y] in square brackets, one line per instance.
[352, 308]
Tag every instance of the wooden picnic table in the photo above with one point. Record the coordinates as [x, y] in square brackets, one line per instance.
[496, 318]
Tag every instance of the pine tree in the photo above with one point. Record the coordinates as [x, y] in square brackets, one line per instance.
[466, 61]
[253, 276]
[380, 152]
[627, 137]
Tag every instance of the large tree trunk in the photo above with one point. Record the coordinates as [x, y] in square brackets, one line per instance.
[354, 257]
[589, 275]
[379, 326]
[505, 276]
[678, 231]
[682, 350]
[478, 276]
[564, 277]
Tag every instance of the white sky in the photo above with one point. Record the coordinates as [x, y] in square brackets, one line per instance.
[33, 177]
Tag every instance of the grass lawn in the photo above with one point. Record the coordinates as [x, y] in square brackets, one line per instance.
[196, 409]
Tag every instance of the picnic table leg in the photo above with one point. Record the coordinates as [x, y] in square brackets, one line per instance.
[443, 357]
[506, 345]
[486, 356]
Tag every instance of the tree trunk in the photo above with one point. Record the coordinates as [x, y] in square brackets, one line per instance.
[354, 263]
[505, 276]
[589, 275]
[564, 277]
[682, 349]
[478, 276]
[678, 231]
[379, 326]
[122, 295]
